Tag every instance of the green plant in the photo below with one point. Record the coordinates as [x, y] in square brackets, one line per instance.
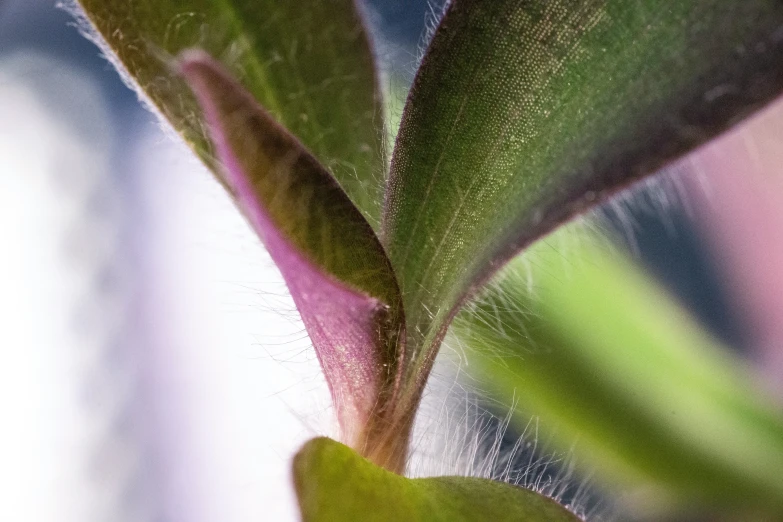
[523, 114]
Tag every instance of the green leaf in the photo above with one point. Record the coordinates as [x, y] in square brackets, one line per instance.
[332, 261]
[308, 62]
[585, 341]
[525, 113]
[335, 484]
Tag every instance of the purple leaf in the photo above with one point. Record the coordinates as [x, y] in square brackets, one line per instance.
[329, 256]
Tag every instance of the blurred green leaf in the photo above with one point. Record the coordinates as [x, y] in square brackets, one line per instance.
[589, 344]
[332, 261]
[524, 113]
[308, 62]
[334, 484]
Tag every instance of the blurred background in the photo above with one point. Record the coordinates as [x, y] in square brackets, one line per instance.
[154, 368]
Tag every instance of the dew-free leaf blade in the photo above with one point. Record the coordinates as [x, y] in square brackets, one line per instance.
[524, 113]
[334, 484]
[308, 62]
[623, 375]
[329, 256]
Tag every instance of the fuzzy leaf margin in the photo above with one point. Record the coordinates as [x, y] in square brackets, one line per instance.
[333, 483]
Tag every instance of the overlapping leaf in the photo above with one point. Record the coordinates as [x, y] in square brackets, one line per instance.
[335, 484]
[604, 358]
[332, 262]
[308, 62]
[524, 113]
